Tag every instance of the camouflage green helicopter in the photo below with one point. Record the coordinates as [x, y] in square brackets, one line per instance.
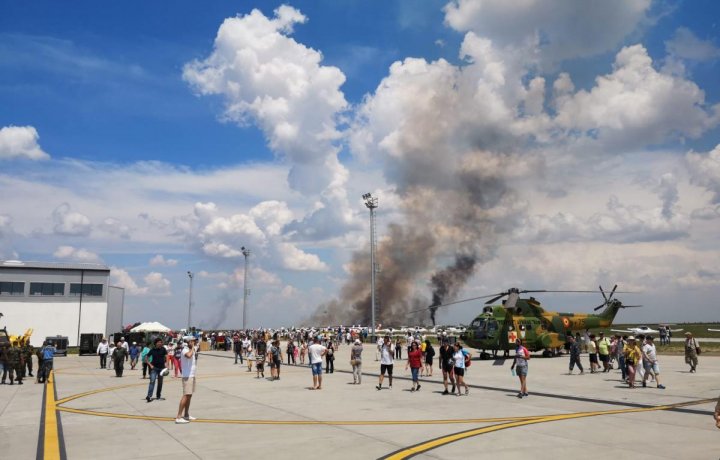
[498, 326]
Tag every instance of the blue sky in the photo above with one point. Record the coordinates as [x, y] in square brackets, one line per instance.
[590, 127]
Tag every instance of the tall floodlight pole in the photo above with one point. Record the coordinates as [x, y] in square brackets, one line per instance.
[246, 253]
[190, 276]
[372, 203]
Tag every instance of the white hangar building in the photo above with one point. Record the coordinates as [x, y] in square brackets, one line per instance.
[66, 299]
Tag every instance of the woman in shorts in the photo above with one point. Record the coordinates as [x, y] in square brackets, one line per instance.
[429, 355]
[459, 370]
[520, 364]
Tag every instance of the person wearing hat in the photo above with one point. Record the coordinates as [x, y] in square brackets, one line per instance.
[188, 364]
[632, 358]
[356, 361]
[134, 353]
[692, 350]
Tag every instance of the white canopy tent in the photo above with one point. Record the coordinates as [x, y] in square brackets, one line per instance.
[150, 327]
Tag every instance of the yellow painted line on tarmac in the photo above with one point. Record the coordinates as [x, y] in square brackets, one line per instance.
[439, 442]
[51, 438]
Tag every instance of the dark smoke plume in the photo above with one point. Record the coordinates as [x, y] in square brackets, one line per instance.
[448, 281]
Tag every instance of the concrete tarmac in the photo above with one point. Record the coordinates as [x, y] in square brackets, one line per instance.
[591, 415]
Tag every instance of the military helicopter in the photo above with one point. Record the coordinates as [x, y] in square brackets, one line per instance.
[499, 326]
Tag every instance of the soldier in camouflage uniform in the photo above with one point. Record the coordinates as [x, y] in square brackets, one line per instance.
[27, 351]
[16, 361]
[4, 362]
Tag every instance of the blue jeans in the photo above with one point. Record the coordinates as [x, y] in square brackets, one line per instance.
[155, 374]
[414, 371]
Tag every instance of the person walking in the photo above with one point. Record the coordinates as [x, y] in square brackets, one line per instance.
[176, 358]
[316, 351]
[356, 361]
[592, 352]
[118, 357]
[692, 350]
[603, 348]
[111, 348]
[134, 353]
[330, 358]
[28, 352]
[48, 356]
[143, 359]
[237, 345]
[620, 355]
[102, 352]
[275, 358]
[632, 358]
[459, 370]
[290, 352]
[188, 365]
[156, 362]
[649, 359]
[387, 351]
[398, 349]
[414, 362]
[429, 356]
[574, 355]
[303, 351]
[447, 365]
[4, 364]
[520, 366]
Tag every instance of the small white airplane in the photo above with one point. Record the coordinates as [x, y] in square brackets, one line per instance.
[642, 330]
[714, 330]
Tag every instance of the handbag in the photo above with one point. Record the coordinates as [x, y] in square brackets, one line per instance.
[353, 362]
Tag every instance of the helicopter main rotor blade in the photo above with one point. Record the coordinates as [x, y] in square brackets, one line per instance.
[603, 294]
[452, 303]
[613, 291]
[496, 298]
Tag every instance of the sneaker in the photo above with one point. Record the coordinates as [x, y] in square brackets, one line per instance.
[525, 395]
[644, 384]
[418, 387]
[412, 389]
[378, 387]
[148, 399]
[181, 420]
[190, 417]
[519, 395]
[661, 387]
[446, 392]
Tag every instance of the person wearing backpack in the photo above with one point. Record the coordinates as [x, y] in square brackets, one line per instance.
[429, 355]
[520, 366]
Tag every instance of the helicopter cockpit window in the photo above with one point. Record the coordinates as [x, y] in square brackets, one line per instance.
[491, 327]
[477, 323]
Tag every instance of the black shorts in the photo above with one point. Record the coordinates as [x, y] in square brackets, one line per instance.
[386, 367]
[605, 358]
[448, 368]
[428, 361]
[460, 371]
[593, 358]
[275, 363]
[260, 365]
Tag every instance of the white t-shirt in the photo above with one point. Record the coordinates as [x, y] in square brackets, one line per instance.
[189, 365]
[459, 358]
[102, 348]
[246, 344]
[387, 353]
[315, 351]
[649, 351]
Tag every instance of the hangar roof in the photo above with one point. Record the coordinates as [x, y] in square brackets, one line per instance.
[53, 265]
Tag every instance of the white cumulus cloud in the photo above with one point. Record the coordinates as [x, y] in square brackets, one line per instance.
[160, 261]
[20, 142]
[155, 284]
[76, 254]
[70, 223]
[685, 44]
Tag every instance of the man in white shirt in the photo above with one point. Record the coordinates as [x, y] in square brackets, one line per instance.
[387, 352]
[102, 351]
[246, 345]
[650, 362]
[316, 352]
[189, 366]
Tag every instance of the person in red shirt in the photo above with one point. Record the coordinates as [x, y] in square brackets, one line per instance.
[415, 363]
